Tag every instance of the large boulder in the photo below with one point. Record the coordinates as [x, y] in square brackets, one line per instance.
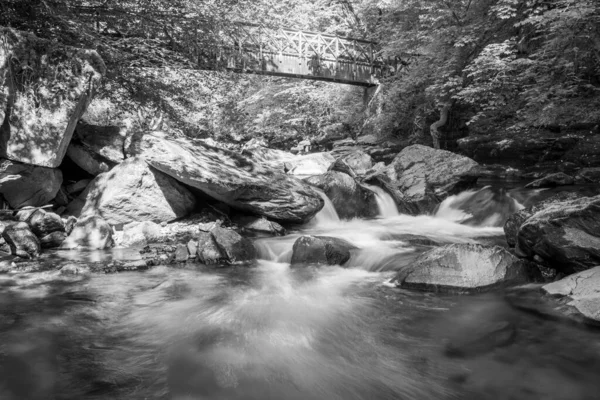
[564, 234]
[92, 233]
[21, 240]
[321, 250]
[88, 161]
[133, 192]
[28, 185]
[463, 267]
[349, 198]
[426, 175]
[232, 178]
[46, 91]
[579, 293]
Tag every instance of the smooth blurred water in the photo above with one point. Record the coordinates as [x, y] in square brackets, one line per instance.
[269, 331]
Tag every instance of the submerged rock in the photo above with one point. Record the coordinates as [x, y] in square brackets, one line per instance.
[463, 267]
[21, 240]
[321, 250]
[580, 294]
[133, 192]
[564, 234]
[28, 185]
[349, 199]
[557, 179]
[58, 85]
[232, 178]
[426, 176]
[91, 233]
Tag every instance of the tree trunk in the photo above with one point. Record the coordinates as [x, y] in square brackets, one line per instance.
[433, 129]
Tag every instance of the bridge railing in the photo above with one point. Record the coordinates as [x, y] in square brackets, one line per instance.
[253, 48]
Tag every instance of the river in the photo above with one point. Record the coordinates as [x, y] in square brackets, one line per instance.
[268, 331]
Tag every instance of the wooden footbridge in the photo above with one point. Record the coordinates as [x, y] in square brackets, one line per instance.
[251, 48]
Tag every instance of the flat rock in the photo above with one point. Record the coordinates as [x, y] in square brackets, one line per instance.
[133, 192]
[232, 178]
[463, 267]
[557, 179]
[321, 250]
[580, 292]
[28, 185]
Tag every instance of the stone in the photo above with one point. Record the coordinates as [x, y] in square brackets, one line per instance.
[232, 178]
[358, 161]
[105, 141]
[133, 192]
[208, 252]
[78, 186]
[70, 224]
[140, 234]
[463, 267]
[580, 293]
[43, 222]
[74, 269]
[260, 226]
[21, 240]
[192, 247]
[331, 133]
[556, 179]
[564, 234]
[233, 246]
[39, 119]
[90, 232]
[28, 185]
[350, 199]
[426, 175]
[181, 253]
[89, 162]
[53, 240]
[309, 164]
[321, 250]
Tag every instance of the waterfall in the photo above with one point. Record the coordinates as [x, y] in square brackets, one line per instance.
[327, 215]
[385, 202]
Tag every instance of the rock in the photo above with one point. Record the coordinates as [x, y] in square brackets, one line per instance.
[192, 247]
[43, 222]
[89, 162]
[62, 199]
[590, 175]
[333, 132]
[358, 161]
[56, 84]
[463, 267]
[74, 269]
[53, 240]
[78, 186]
[309, 164]
[232, 179]
[564, 234]
[181, 253]
[70, 224]
[22, 241]
[105, 141]
[28, 185]
[140, 234]
[260, 226]
[90, 232]
[557, 179]
[426, 175]
[233, 247]
[580, 292]
[350, 199]
[321, 250]
[208, 252]
[132, 192]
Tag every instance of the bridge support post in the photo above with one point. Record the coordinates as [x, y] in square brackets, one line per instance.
[369, 93]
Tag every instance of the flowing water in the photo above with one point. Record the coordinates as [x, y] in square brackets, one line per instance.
[268, 331]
